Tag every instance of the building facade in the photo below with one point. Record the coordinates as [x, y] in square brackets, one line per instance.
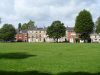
[39, 35]
[95, 38]
[22, 36]
[70, 34]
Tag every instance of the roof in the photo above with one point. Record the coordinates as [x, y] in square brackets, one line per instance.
[70, 29]
[39, 29]
[21, 31]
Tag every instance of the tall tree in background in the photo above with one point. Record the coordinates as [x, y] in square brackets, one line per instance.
[56, 30]
[0, 29]
[0, 35]
[7, 33]
[19, 27]
[29, 25]
[24, 26]
[98, 25]
[84, 25]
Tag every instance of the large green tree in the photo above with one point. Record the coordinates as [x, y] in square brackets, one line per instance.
[56, 30]
[98, 25]
[7, 33]
[29, 25]
[19, 27]
[0, 35]
[24, 26]
[84, 24]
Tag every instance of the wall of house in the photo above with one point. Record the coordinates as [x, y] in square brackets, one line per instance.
[22, 37]
[95, 38]
[40, 36]
[37, 36]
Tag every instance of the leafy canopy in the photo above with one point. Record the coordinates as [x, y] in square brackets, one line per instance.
[7, 32]
[56, 30]
[29, 25]
[98, 25]
[84, 24]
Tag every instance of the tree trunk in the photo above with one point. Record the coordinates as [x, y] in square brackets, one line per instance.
[57, 40]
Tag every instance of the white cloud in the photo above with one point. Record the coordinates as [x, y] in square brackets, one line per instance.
[43, 12]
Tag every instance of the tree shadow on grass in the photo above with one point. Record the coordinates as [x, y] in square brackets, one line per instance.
[78, 73]
[19, 55]
[23, 73]
[44, 73]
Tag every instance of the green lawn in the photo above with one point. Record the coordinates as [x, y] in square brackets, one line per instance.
[49, 59]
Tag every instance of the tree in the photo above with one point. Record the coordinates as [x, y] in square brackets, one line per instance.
[84, 25]
[19, 27]
[56, 30]
[24, 26]
[98, 25]
[29, 25]
[0, 35]
[7, 33]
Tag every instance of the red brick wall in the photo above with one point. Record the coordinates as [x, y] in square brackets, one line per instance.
[22, 37]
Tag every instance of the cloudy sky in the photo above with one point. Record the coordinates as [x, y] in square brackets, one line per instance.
[43, 12]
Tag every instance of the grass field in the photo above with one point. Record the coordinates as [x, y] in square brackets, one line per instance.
[49, 59]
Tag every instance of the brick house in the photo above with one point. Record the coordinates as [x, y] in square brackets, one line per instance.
[22, 36]
[95, 38]
[71, 35]
[39, 35]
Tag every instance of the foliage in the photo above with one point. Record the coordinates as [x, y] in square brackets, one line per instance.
[7, 32]
[98, 25]
[19, 27]
[29, 25]
[24, 26]
[84, 24]
[56, 30]
[0, 35]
